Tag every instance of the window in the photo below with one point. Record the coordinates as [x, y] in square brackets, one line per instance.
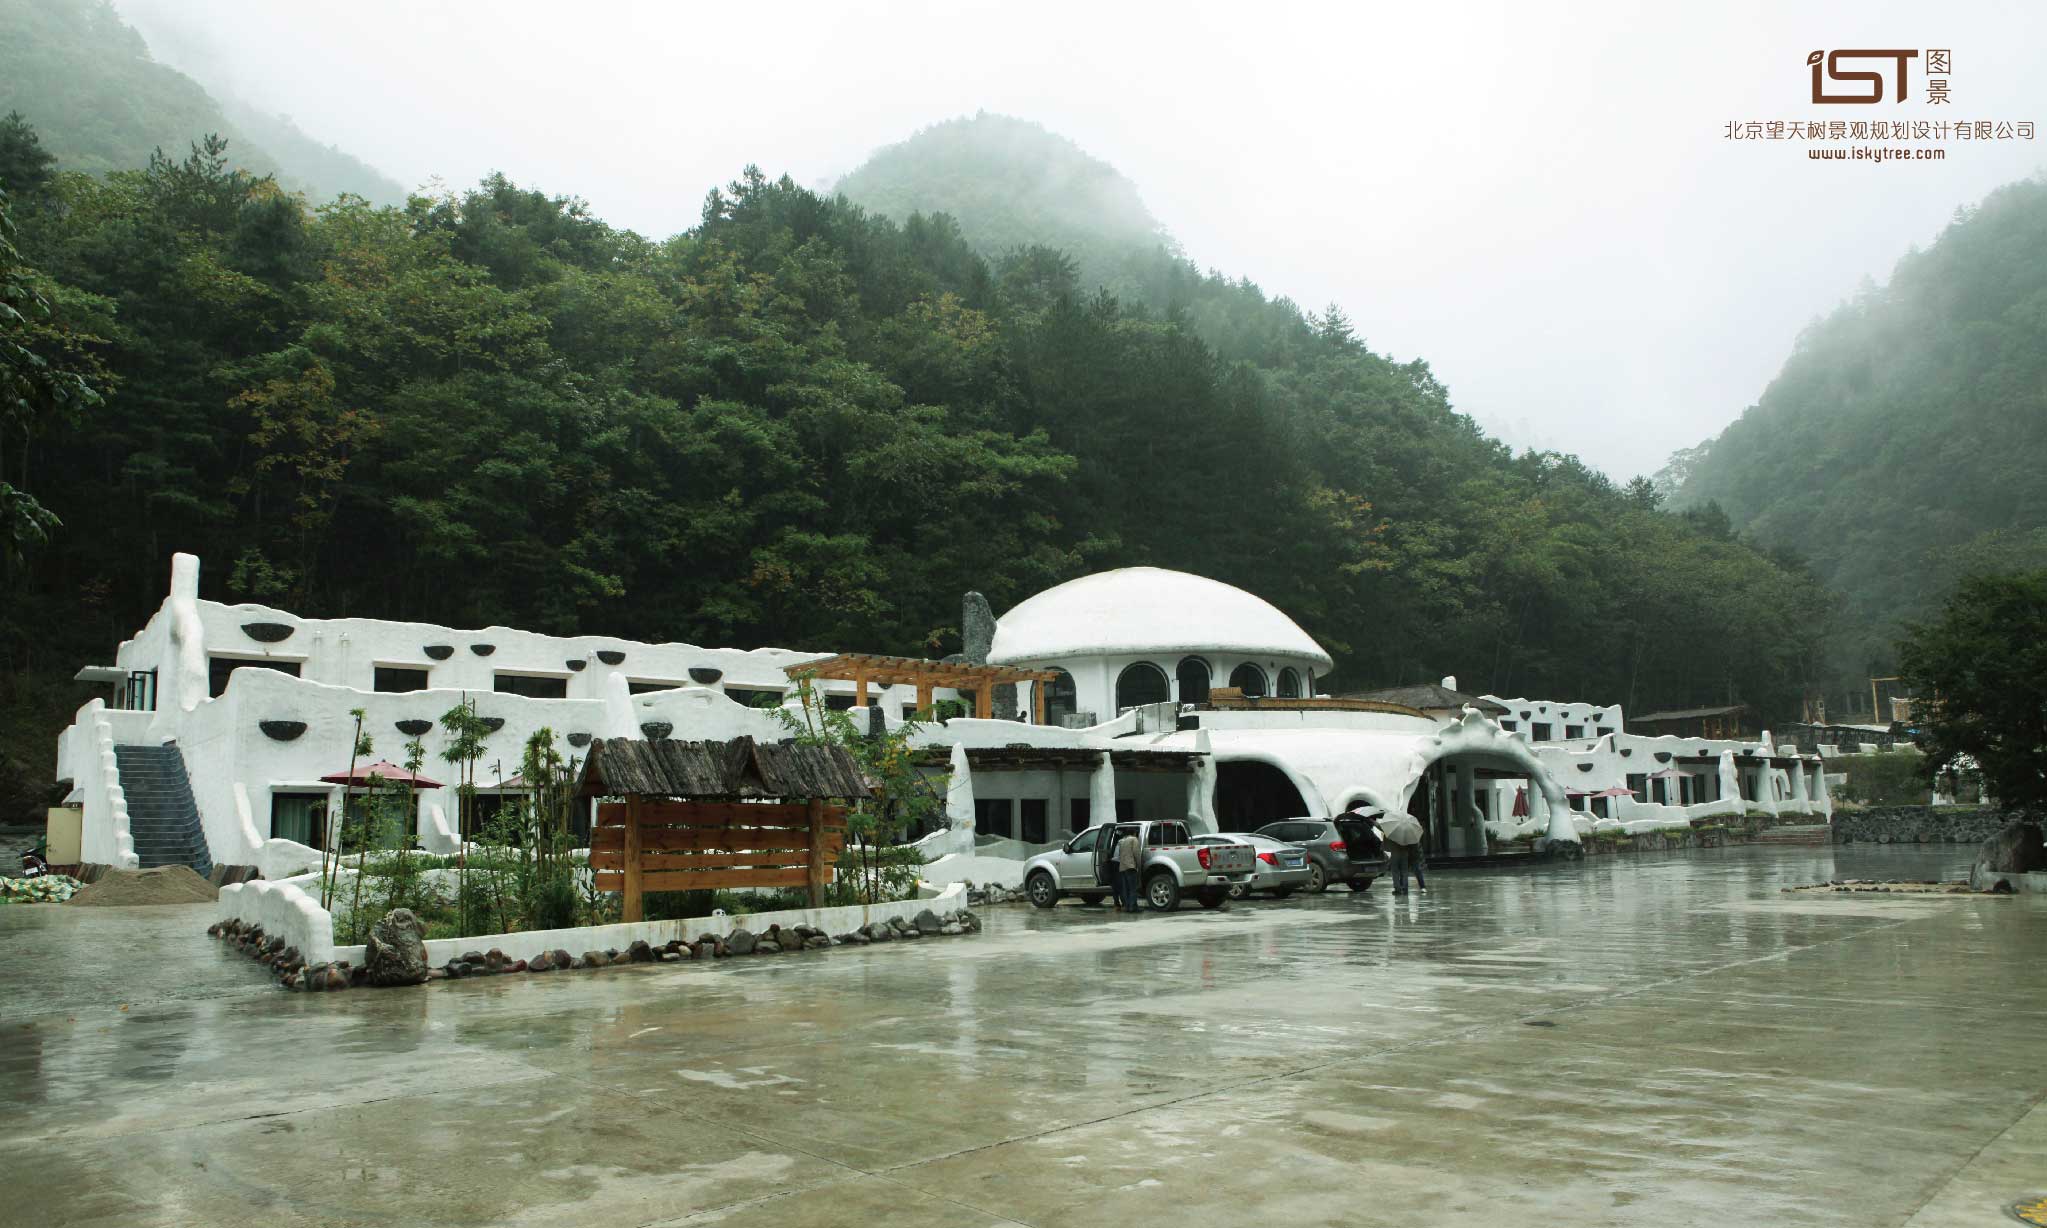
[400, 678]
[640, 686]
[1289, 684]
[299, 816]
[1085, 841]
[1126, 810]
[532, 686]
[1509, 726]
[992, 815]
[1249, 679]
[1604, 730]
[839, 703]
[1078, 812]
[1573, 732]
[1540, 731]
[1141, 683]
[218, 669]
[1032, 820]
[1060, 698]
[1638, 784]
[1159, 835]
[753, 697]
[1192, 674]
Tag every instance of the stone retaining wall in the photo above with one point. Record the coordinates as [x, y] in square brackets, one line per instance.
[1918, 825]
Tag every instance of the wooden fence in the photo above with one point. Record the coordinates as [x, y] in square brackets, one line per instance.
[644, 844]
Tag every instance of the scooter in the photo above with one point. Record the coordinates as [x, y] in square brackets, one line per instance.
[33, 866]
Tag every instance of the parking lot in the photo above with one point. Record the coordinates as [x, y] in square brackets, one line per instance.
[1659, 1039]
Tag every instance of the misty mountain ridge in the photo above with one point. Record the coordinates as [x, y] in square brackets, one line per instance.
[1905, 440]
[85, 79]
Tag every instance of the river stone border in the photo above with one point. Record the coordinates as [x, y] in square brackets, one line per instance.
[294, 974]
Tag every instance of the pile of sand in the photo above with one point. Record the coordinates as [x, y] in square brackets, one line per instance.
[162, 885]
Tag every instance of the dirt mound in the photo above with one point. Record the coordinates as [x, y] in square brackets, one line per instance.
[162, 885]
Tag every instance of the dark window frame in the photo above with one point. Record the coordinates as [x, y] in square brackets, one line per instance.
[378, 678]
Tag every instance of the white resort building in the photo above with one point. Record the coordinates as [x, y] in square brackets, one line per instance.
[1141, 693]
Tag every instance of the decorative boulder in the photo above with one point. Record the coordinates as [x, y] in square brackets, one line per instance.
[881, 933]
[816, 942]
[542, 962]
[767, 946]
[396, 951]
[561, 958]
[595, 959]
[741, 942]
[2017, 849]
[927, 923]
[641, 952]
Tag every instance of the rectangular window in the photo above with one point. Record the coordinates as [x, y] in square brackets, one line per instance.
[1077, 809]
[839, 703]
[1540, 731]
[1638, 784]
[640, 686]
[1573, 732]
[1509, 726]
[301, 817]
[1032, 820]
[753, 697]
[1126, 810]
[218, 669]
[400, 678]
[1605, 730]
[991, 816]
[532, 686]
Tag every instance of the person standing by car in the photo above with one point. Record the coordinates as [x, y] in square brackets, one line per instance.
[1403, 837]
[1128, 854]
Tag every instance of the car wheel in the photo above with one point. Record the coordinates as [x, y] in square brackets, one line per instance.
[1043, 891]
[1361, 884]
[1161, 892]
[1280, 893]
[1211, 898]
[1318, 879]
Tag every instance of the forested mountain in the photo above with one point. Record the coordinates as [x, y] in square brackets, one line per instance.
[1905, 441]
[1010, 183]
[796, 423]
[85, 80]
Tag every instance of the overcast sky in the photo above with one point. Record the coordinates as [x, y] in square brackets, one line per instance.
[1535, 198]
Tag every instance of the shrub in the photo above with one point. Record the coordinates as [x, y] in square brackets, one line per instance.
[1889, 778]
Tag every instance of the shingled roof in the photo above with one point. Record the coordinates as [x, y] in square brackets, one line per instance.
[742, 767]
[1429, 697]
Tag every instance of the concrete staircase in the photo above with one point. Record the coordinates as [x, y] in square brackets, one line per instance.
[163, 818]
[1802, 833]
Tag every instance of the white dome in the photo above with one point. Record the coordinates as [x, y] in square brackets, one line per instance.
[1144, 611]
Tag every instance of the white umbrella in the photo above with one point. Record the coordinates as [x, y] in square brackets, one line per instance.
[1401, 829]
[959, 802]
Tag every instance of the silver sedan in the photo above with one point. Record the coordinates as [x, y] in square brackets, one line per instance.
[1282, 868]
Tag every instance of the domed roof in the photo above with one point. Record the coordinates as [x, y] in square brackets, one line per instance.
[1147, 610]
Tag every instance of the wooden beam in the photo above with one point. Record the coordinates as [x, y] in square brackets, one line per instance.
[820, 862]
[1038, 702]
[923, 698]
[984, 701]
[860, 690]
[630, 883]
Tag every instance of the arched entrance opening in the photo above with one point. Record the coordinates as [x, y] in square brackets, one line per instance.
[1061, 698]
[1289, 684]
[1249, 679]
[1141, 683]
[1249, 794]
[1192, 675]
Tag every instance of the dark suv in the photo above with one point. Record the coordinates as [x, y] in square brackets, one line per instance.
[1340, 850]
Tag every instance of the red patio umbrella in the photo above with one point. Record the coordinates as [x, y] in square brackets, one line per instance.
[391, 773]
[1521, 802]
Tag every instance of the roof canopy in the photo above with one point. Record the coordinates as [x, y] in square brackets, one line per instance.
[914, 671]
[1141, 611]
[744, 768]
[1431, 697]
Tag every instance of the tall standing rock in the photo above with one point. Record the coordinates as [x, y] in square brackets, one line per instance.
[977, 629]
[396, 951]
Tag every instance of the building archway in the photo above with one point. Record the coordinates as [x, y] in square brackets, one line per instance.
[1062, 698]
[1141, 682]
[1249, 679]
[1289, 684]
[1192, 675]
[1249, 793]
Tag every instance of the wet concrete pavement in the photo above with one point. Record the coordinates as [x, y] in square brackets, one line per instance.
[1660, 1039]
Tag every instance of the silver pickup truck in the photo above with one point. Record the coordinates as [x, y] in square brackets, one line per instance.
[1171, 867]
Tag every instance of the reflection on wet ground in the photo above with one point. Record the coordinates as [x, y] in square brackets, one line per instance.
[1662, 1038]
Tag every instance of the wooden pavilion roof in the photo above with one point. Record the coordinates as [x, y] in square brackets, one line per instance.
[742, 767]
[915, 671]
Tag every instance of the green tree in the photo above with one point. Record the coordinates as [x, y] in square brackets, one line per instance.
[1980, 669]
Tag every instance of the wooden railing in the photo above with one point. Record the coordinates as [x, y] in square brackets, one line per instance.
[642, 845]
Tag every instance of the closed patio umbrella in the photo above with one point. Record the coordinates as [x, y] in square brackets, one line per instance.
[1521, 802]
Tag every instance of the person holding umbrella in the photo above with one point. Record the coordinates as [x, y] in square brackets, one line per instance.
[1402, 835]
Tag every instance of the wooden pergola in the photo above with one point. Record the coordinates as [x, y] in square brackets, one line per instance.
[861, 668]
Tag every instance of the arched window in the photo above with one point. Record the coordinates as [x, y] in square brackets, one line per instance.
[1289, 684]
[1249, 679]
[1141, 683]
[1193, 678]
[1061, 701]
